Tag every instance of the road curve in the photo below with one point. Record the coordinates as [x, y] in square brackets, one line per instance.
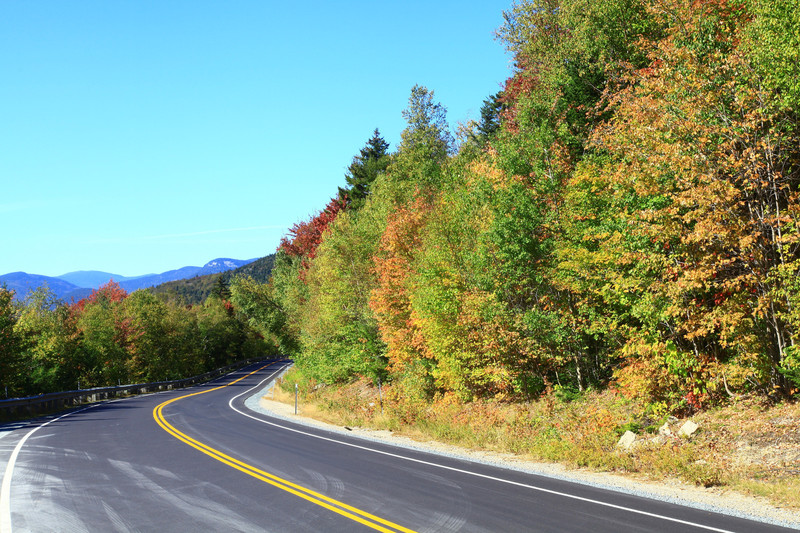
[198, 460]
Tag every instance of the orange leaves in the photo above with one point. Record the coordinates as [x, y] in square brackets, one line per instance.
[696, 161]
[391, 300]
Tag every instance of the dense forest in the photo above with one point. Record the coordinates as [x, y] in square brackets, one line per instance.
[175, 330]
[114, 337]
[623, 215]
[194, 291]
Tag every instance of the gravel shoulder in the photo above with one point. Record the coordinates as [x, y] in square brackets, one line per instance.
[713, 499]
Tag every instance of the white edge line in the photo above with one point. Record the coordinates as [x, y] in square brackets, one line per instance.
[5, 490]
[461, 471]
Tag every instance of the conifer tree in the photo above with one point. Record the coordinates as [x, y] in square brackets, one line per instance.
[371, 161]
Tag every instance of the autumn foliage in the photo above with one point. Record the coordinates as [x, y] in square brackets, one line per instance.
[305, 237]
[626, 217]
[114, 337]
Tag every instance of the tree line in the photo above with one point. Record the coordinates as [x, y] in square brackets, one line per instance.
[195, 291]
[113, 337]
[623, 214]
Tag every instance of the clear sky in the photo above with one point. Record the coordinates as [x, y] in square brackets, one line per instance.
[141, 136]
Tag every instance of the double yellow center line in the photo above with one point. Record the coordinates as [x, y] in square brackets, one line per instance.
[338, 507]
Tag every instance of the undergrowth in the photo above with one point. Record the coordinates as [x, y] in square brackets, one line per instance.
[581, 431]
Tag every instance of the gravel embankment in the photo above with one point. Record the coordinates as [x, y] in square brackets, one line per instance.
[713, 499]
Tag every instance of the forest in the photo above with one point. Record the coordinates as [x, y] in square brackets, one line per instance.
[174, 330]
[113, 337]
[623, 216]
[195, 291]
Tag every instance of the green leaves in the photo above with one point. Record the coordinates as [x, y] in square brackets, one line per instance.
[626, 213]
[10, 343]
[425, 143]
[773, 40]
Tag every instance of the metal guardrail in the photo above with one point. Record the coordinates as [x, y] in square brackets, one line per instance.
[56, 401]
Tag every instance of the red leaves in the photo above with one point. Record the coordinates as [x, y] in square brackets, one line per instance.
[111, 292]
[305, 237]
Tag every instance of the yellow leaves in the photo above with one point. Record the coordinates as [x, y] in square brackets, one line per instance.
[484, 168]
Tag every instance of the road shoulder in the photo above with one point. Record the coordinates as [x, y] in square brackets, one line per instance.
[714, 499]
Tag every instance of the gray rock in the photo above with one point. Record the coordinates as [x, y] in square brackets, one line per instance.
[664, 430]
[687, 429]
[627, 440]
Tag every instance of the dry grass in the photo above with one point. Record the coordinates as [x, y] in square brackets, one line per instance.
[747, 446]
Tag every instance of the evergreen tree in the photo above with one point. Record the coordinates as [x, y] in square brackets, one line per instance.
[372, 160]
[221, 289]
[490, 120]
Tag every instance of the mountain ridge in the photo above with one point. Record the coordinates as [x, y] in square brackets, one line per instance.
[79, 284]
[92, 279]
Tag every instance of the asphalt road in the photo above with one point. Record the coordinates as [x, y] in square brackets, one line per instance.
[198, 460]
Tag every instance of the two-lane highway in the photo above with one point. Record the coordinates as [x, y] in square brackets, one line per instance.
[199, 460]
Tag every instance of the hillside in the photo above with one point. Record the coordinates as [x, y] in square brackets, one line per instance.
[22, 283]
[195, 290]
[624, 216]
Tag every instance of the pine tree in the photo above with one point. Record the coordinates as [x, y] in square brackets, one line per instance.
[490, 120]
[221, 289]
[371, 161]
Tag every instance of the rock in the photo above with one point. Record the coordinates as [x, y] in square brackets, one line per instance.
[659, 440]
[664, 430]
[627, 440]
[687, 429]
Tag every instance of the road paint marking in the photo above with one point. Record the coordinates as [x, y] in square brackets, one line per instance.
[331, 504]
[5, 489]
[470, 473]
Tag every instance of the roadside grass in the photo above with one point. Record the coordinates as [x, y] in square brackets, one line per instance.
[784, 493]
[747, 446]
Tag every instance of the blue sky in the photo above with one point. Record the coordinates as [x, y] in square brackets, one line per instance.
[142, 136]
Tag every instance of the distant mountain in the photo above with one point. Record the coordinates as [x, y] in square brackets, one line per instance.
[77, 285]
[260, 269]
[22, 283]
[212, 267]
[78, 294]
[223, 265]
[195, 290]
[92, 279]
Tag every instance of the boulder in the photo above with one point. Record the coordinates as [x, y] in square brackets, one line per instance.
[687, 429]
[627, 440]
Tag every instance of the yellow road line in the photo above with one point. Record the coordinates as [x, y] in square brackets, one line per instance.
[338, 507]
